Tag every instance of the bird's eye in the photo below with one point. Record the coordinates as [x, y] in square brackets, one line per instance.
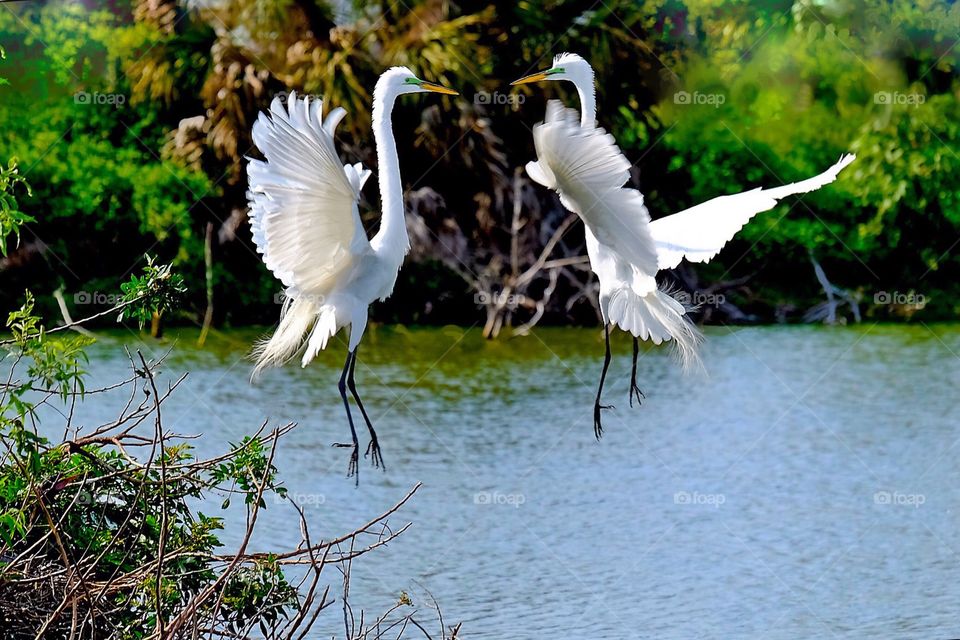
[411, 81]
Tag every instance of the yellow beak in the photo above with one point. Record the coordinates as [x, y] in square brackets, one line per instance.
[533, 77]
[436, 88]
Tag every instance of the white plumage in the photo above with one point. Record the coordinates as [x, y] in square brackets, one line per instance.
[588, 170]
[700, 232]
[303, 201]
[626, 249]
[306, 224]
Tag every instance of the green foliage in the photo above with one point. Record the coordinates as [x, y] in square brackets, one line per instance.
[136, 124]
[90, 124]
[149, 294]
[247, 469]
[54, 363]
[88, 501]
[113, 509]
[799, 87]
[908, 161]
[55, 359]
[11, 218]
[258, 592]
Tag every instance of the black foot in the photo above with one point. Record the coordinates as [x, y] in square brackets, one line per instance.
[373, 452]
[597, 426]
[635, 391]
[353, 469]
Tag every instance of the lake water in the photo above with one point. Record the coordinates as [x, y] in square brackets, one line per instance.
[807, 486]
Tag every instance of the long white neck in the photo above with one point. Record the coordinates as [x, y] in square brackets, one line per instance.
[588, 101]
[392, 237]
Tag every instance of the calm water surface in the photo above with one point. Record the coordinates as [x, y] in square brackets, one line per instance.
[807, 486]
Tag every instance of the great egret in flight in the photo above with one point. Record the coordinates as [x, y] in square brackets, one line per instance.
[305, 222]
[626, 249]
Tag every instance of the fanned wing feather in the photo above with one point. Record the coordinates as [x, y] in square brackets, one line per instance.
[586, 167]
[357, 175]
[699, 233]
[303, 200]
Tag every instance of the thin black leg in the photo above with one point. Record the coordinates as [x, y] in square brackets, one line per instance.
[634, 389]
[373, 449]
[354, 467]
[597, 407]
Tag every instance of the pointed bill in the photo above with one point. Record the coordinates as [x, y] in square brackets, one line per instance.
[533, 77]
[438, 88]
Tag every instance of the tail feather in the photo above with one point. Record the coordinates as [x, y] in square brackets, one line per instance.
[296, 319]
[658, 317]
[323, 330]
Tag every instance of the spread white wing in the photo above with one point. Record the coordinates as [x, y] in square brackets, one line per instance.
[586, 167]
[303, 201]
[700, 232]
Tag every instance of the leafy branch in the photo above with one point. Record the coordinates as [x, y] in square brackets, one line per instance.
[11, 217]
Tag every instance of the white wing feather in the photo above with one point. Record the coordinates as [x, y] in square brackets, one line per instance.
[587, 168]
[699, 233]
[303, 200]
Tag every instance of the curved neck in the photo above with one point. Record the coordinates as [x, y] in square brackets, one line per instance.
[392, 236]
[588, 102]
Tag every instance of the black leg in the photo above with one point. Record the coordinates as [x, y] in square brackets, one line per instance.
[373, 449]
[353, 468]
[597, 407]
[634, 389]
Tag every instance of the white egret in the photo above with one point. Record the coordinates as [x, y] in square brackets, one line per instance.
[305, 222]
[626, 249]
